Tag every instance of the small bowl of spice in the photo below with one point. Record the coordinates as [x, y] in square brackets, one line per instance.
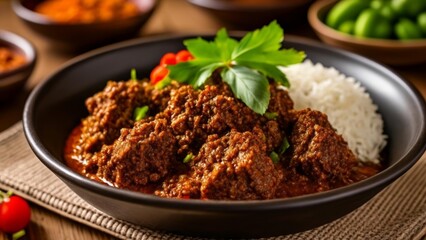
[17, 61]
[78, 24]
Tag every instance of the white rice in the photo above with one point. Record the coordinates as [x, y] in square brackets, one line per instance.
[348, 106]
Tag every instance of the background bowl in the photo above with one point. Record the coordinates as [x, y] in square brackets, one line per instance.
[83, 35]
[392, 52]
[249, 14]
[56, 106]
[11, 82]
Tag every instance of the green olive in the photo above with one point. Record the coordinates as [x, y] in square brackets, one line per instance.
[406, 29]
[347, 27]
[408, 8]
[387, 11]
[371, 24]
[345, 10]
[421, 21]
[377, 4]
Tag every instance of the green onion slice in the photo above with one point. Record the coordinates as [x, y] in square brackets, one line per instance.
[284, 146]
[188, 158]
[133, 75]
[140, 113]
[271, 115]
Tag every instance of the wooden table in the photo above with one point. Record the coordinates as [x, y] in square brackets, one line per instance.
[172, 16]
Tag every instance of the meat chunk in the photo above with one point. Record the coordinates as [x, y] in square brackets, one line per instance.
[141, 155]
[280, 103]
[231, 145]
[233, 167]
[110, 110]
[196, 114]
[318, 152]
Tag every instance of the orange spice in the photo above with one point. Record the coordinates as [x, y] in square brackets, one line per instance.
[87, 11]
[10, 59]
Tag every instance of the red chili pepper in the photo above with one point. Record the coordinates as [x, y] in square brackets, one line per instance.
[158, 74]
[161, 71]
[168, 59]
[183, 56]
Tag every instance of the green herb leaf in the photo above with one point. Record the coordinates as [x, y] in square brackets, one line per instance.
[269, 71]
[282, 57]
[225, 44]
[203, 50]
[140, 113]
[266, 39]
[244, 65]
[199, 74]
[253, 90]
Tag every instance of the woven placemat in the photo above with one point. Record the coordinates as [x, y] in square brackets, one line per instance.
[398, 212]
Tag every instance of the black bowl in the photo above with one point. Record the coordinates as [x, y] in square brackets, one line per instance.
[82, 36]
[240, 14]
[11, 82]
[57, 105]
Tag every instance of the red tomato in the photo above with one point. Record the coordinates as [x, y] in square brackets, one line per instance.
[168, 59]
[183, 56]
[15, 214]
[158, 74]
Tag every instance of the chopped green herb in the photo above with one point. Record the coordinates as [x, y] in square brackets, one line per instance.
[188, 158]
[163, 83]
[18, 234]
[275, 157]
[284, 146]
[271, 115]
[244, 65]
[140, 113]
[133, 75]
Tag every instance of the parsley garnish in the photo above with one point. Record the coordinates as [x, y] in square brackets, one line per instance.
[244, 65]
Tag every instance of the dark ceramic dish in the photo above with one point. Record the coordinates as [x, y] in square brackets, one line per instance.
[83, 35]
[57, 105]
[242, 14]
[11, 82]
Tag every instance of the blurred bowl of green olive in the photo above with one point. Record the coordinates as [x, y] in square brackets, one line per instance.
[392, 32]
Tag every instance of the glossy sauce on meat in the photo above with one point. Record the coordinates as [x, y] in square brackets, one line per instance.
[226, 145]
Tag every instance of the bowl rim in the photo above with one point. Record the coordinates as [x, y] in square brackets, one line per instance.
[229, 5]
[318, 25]
[384, 177]
[26, 47]
[34, 17]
